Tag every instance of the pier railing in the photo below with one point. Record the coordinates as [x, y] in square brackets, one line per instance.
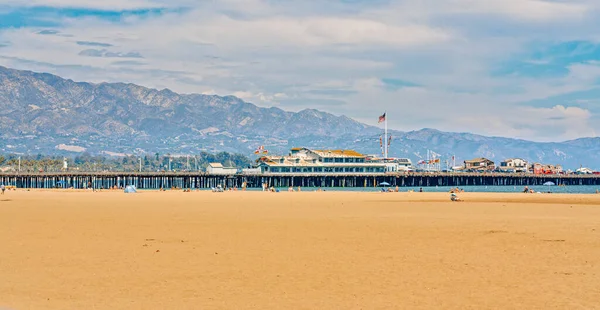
[156, 180]
[328, 174]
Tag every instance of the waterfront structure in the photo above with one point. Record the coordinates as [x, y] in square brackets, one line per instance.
[200, 180]
[514, 165]
[218, 168]
[249, 171]
[404, 164]
[538, 168]
[584, 170]
[480, 164]
[303, 160]
[393, 164]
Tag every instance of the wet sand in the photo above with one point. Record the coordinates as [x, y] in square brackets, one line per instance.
[308, 250]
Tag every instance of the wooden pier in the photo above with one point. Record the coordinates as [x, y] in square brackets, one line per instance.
[195, 180]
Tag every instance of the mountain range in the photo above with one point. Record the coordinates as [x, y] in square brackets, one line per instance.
[41, 113]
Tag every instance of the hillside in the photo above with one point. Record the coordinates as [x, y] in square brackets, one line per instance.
[44, 113]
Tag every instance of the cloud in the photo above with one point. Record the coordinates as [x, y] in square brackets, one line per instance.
[48, 32]
[531, 10]
[128, 63]
[91, 4]
[459, 65]
[90, 43]
[549, 124]
[271, 99]
[109, 54]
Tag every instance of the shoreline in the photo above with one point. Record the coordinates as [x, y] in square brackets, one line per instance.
[540, 189]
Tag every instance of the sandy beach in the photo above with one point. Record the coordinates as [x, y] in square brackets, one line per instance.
[307, 250]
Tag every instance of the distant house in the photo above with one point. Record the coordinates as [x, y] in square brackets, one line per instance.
[514, 165]
[7, 169]
[546, 169]
[480, 164]
[218, 168]
[584, 170]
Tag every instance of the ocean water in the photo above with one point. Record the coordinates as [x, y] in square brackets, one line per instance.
[574, 189]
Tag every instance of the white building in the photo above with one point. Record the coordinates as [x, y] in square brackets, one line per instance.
[514, 165]
[217, 168]
[393, 164]
[303, 160]
[584, 170]
[251, 171]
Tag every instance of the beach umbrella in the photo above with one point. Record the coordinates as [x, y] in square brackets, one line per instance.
[130, 189]
[384, 184]
[549, 184]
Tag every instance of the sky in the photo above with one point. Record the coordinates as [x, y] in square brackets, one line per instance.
[525, 69]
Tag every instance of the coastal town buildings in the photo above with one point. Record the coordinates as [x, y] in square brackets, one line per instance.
[218, 168]
[304, 160]
[538, 168]
[480, 164]
[513, 165]
[392, 164]
[584, 170]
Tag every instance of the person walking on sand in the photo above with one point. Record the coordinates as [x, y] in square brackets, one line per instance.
[3, 188]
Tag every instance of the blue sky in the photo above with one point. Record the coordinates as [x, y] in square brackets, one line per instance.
[517, 68]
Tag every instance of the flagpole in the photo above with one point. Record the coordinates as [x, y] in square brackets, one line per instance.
[385, 154]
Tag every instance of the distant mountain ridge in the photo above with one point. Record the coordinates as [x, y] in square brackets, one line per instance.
[43, 113]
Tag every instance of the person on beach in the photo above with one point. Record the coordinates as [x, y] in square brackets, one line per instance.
[526, 190]
[420, 190]
[3, 188]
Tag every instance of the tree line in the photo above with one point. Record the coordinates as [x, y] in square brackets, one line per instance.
[150, 162]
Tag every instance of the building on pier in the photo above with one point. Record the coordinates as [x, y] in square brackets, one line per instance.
[393, 164]
[303, 160]
[480, 164]
[538, 168]
[513, 165]
[218, 168]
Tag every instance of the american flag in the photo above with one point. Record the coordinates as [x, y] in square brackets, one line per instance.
[382, 118]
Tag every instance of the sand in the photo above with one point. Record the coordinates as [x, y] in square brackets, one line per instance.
[308, 250]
